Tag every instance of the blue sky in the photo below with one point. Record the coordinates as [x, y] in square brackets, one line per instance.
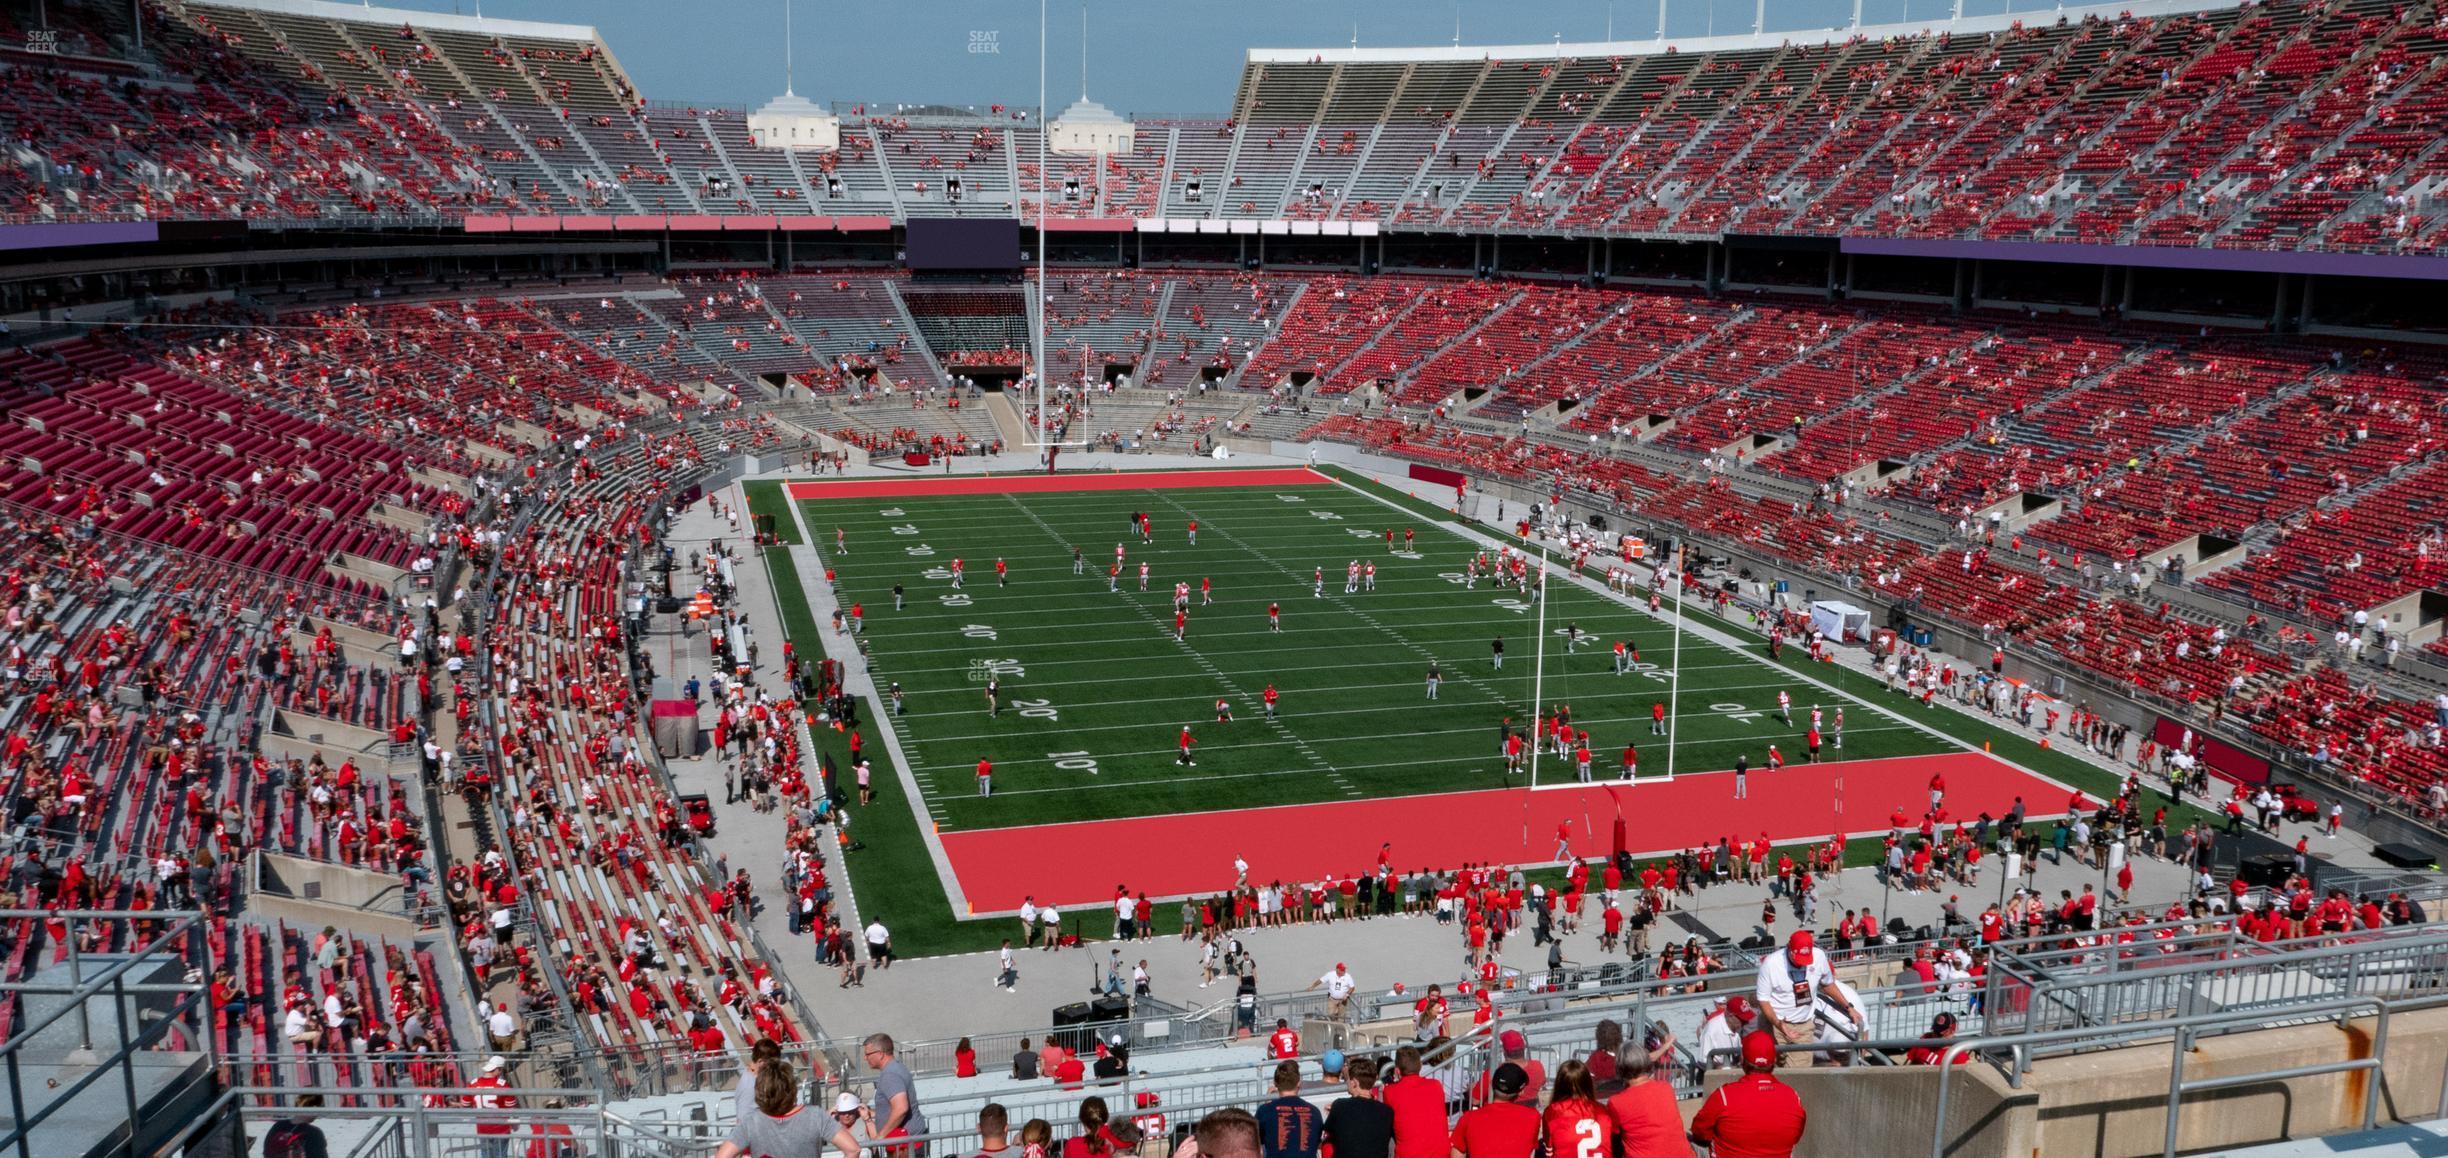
[1151, 56]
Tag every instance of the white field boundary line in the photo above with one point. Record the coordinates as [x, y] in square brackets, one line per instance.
[818, 599]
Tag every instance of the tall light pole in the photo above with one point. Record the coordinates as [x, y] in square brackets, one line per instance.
[1037, 327]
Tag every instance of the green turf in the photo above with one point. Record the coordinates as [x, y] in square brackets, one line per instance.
[766, 498]
[1097, 689]
[892, 875]
[1095, 678]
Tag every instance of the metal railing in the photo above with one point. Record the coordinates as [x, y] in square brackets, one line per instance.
[2132, 984]
[175, 1017]
[2183, 1033]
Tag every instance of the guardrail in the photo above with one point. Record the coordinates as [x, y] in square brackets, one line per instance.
[2137, 986]
[180, 1023]
[2182, 1033]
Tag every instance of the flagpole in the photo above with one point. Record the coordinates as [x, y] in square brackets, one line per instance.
[1538, 664]
[1674, 668]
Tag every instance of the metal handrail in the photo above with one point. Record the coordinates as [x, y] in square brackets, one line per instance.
[2021, 1044]
[172, 945]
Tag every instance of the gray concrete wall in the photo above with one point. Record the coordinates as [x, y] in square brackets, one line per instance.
[305, 736]
[2113, 1103]
[365, 902]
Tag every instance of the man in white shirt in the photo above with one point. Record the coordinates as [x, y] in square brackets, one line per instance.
[879, 945]
[1028, 921]
[1792, 982]
[503, 1027]
[299, 1028]
[1339, 985]
[1721, 1033]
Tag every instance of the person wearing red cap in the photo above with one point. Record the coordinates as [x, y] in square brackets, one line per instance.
[1721, 1032]
[1941, 1031]
[1339, 986]
[1755, 1115]
[1792, 982]
[1516, 1052]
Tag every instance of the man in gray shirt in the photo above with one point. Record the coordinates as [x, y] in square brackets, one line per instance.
[1024, 1063]
[896, 1095]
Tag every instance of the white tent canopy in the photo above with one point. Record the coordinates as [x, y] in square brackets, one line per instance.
[1840, 621]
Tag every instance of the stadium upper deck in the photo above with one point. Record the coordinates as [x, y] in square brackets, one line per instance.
[2286, 125]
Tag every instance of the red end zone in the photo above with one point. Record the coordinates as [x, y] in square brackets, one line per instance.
[1166, 856]
[1024, 484]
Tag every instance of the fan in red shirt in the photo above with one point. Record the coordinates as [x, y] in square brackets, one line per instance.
[1755, 1115]
[1503, 1128]
[1941, 1031]
[1577, 1126]
[1284, 1043]
[1418, 1102]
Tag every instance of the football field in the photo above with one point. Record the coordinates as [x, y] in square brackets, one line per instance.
[1096, 686]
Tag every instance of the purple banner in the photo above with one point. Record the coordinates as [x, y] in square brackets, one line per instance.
[67, 233]
[2426, 268]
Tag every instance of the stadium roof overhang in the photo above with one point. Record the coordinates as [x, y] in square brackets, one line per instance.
[446, 21]
[1585, 50]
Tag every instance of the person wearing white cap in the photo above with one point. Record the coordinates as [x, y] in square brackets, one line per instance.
[779, 1126]
[493, 1133]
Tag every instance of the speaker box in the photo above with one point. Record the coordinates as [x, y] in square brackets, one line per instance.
[2405, 856]
[1071, 1030]
[2270, 869]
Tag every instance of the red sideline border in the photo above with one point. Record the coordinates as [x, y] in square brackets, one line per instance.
[1182, 854]
[1024, 484]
